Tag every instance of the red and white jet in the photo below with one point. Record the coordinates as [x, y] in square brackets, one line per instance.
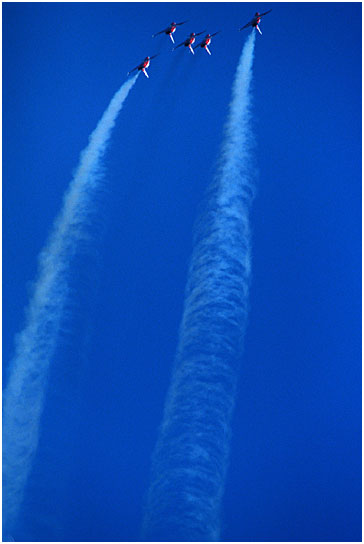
[189, 41]
[170, 29]
[206, 41]
[255, 21]
[143, 65]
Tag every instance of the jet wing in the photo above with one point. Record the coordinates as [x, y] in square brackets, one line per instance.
[160, 32]
[136, 67]
[246, 26]
[261, 15]
[179, 45]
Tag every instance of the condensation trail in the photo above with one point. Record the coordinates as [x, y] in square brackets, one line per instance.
[190, 459]
[35, 345]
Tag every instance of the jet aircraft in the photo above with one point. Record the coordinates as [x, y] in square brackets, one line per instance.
[189, 41]
[170, 29]
[206, 41]
[255, 21]
[143, 65]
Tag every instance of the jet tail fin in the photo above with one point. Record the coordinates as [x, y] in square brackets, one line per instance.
[172, 38]
[207, 49]
[145, 73]
[258, 29]
[192, 51]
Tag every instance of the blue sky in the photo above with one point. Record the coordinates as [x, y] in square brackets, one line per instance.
[295, 471]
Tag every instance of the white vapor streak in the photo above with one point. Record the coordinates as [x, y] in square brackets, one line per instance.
[191, 456]
[35, 345]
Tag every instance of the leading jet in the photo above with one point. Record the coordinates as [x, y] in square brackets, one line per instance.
[255, 21]
[206, 41]
[189, 41]
[169, 30]
[143, 65]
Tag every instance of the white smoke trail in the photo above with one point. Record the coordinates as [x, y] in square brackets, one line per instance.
[190, 459]
[35, 345]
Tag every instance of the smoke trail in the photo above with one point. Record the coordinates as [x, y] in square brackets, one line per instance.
[190, 459]
[35, 345]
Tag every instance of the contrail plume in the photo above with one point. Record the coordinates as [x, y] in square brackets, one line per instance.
[190, 460]
[24, 394]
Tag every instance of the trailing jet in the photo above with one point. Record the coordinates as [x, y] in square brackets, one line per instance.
[255, 21]
[170, 29]
[189, 41]
[143, 65]
[206, 41]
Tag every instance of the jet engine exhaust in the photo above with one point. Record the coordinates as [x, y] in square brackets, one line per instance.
[190, 459]
[34, 347]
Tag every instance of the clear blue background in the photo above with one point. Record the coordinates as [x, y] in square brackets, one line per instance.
[295, 471]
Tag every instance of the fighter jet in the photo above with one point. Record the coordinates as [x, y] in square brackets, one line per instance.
[206, 41]
[170, 29]
[189, 41]
[255, 21]
[143, 65]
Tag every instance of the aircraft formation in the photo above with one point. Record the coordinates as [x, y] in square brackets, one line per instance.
[190, 40]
